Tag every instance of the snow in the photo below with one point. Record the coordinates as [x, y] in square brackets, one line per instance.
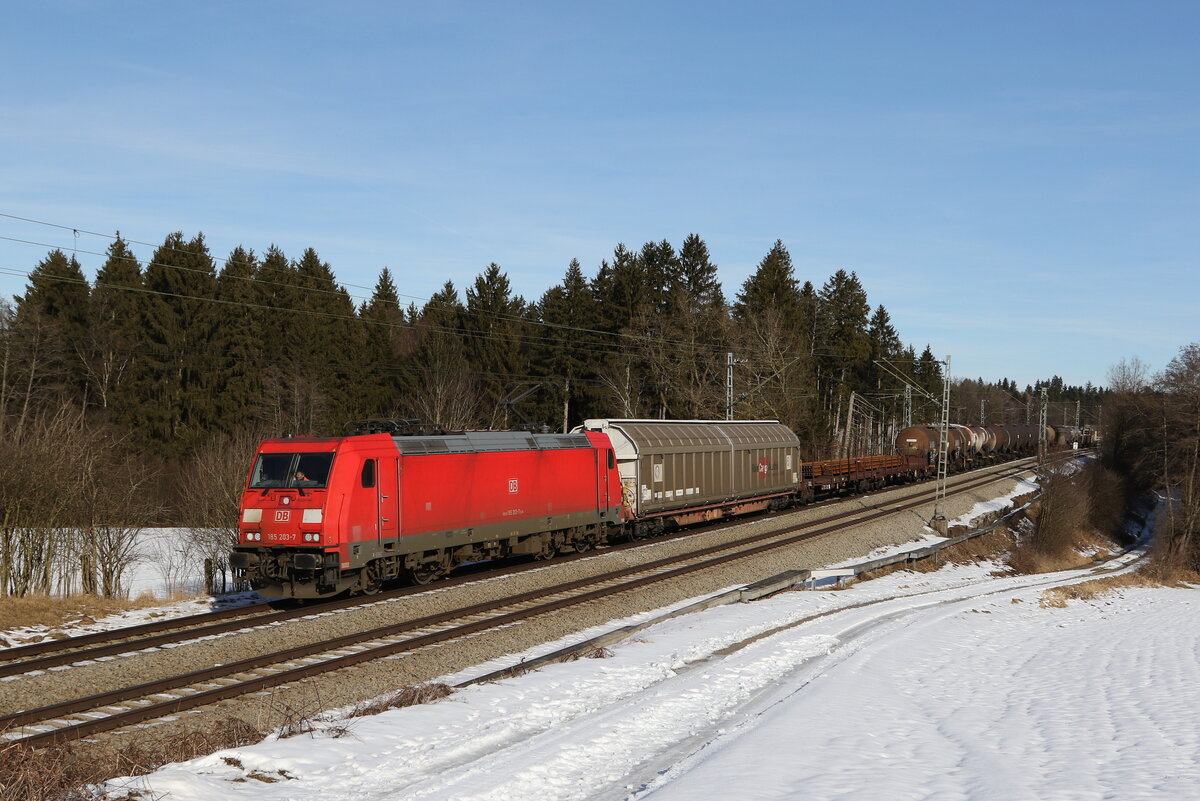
[949, 685]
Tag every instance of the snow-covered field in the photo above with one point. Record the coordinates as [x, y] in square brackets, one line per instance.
[949, 685]
[165, 564]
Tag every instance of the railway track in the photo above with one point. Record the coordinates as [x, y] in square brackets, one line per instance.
[99, 645]
[83, 717]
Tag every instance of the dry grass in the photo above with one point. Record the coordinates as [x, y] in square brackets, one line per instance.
[409, 696]
[992, 545]
[1168, 573]
[1027, 560]
[43, 610]
[594, 653]
[1057, 597]
[62, 773]
[521, 668]
[987, 546]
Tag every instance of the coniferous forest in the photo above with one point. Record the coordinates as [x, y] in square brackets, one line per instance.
[138, 396]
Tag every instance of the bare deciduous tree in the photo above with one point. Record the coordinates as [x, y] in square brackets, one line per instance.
[210, 493]
[1179, 419]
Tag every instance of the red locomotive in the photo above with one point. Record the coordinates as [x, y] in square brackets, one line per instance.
[321, 516]
[325, 516]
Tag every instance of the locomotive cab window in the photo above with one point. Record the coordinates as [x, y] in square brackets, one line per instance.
[291, 470]
[368, 473]
[612, 462]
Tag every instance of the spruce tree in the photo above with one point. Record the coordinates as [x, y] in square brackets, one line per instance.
[117, 307]
[843, 311]
[494, 333]
[385, 330]
[277, 287]
[928, 372]
[54, 315]
[622, 290]
[565, 349]
[884, 344]
[843, 346]
[329, 343]
[662, 275]
[175, 378]
[239, 340]
[771, 342]
[686, 345]
[772, 287]
[698, 274]
[440, 386]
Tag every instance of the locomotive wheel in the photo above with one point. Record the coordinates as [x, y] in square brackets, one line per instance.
[371, 580]
[423, 575]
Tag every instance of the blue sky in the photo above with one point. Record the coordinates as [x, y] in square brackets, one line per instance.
[1016, 182]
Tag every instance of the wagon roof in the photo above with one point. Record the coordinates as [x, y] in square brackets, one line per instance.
[667, 435]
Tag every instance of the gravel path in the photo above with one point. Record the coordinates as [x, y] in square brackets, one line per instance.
[350, 685]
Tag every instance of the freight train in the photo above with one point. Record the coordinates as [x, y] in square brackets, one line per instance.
[326, 516]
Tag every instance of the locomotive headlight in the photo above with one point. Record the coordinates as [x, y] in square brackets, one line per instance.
[252, 515]
[312, 536]
[313, 516]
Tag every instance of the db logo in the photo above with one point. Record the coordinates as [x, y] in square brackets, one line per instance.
[512, 485]
[282, 516]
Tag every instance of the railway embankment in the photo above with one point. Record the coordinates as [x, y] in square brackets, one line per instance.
[344, 687]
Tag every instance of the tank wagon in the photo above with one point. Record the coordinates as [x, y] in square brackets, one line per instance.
[1071, 436]
[326, 516]
[966, 443]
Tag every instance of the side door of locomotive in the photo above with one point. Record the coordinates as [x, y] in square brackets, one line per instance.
[365, 512]
[389, 498]
[604, 468]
